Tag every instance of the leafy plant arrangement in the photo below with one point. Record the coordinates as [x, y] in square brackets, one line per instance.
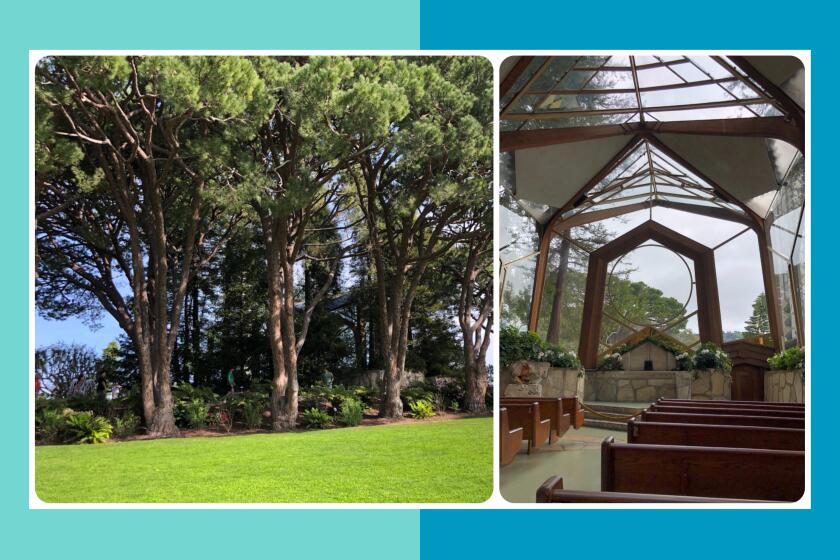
[316, 419]
[515, 346]
[417, 392]
[422, 409]
[252, 414]
[664, 343]
[792, 358]
[126, 424]
[710, 356]
[351, 412]
[84, 427]
[611, 362]
[685, 361]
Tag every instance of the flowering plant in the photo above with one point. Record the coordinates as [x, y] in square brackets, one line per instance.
[611, 362]
[710, 356]
[792, 358]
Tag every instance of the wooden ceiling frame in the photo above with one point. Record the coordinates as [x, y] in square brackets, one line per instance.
[708, 300]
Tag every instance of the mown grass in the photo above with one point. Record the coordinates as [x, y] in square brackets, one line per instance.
[446, 461]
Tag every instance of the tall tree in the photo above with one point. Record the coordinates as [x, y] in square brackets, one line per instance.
[134, 191]
[759, 321]
[321, 106]
[417, 184]
[475, 304]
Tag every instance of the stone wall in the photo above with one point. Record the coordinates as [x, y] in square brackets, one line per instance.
[647, 386]
[375, 378]
[539, 379]
[711, 385]
[784, 386]
[637, 386]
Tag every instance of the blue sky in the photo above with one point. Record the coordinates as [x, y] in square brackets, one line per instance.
[75, 331]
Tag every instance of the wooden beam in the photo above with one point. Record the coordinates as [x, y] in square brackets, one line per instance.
[773, 313]
[765, 127]
[631, 110]
[514, 74]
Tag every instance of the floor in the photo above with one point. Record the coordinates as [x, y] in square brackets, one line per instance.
[576, 457]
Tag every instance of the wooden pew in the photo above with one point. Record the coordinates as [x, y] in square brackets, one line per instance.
[527, 416]
[761, 404]
[707, 417]
[510, 439]
[730, 404]
[572, 406]
[746, 437]
[551, 408]
[716, 472]
[552, 492]
[730, 411]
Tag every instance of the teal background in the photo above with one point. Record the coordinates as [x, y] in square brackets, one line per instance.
[671, 25]
[155, 24]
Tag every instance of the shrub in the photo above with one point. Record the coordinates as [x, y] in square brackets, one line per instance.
[351, 412]
[49, 425]
[252, 414]
[515, 346]
[220, 417]
[417, 392]
[421, 409]
[316, 418]
[612, 362]
[710, 356]
[84, 427]
[685, 361]
[454, 406]
[126, 424]
[194, 412]
[792, 358]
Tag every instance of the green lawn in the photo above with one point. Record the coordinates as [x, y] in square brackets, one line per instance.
[445, 461]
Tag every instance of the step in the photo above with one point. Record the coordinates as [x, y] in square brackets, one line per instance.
[605, 424]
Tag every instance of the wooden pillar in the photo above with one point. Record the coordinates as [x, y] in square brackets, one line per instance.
[773, 314]
[539, 280]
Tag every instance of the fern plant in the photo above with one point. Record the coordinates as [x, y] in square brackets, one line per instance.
[84, 427]
[422, 409]
[316, 419]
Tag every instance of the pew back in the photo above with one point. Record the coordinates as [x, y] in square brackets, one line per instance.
[552, 492]
[527, 416]
[708, 417]
[747, 437]
[726, 410]
[752, 474]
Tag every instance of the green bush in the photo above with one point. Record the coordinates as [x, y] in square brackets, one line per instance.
[612, 362]
[252, 414]
[792, 358]
[193, 412]
[710, 356]
[126, 424]
[317, 419]
[352, 412]
[85, 427]
[421, 409]
[515, 346]
[417, 392]
[50, 424]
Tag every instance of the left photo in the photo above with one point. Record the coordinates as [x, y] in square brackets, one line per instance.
[263, 279]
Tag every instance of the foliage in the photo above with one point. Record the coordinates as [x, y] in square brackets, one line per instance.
[515, 345]
[193, 412]
[792, 358]
[316, 419]
[126, 424]
[85, 427]
[611, 362]
[50, 424]
[454, 406]
[220, 417]
[417, 392]
[422, 409]
[66, 369]
[351, 412]
[710, 356]
[759, 321]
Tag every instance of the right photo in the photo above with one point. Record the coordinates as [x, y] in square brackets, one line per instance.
[653, 278]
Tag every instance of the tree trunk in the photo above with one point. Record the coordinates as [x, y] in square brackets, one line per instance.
[391, 403]
[476, 383]
[553, 335]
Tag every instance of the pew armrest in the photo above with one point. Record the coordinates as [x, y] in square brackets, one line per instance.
[547, 488]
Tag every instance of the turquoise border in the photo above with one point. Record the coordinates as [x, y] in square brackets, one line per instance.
[155, 24]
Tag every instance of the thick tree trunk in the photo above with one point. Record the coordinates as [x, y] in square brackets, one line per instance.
[391, 402]
[559, 287]
[476, 383]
